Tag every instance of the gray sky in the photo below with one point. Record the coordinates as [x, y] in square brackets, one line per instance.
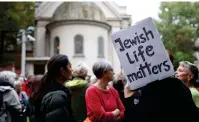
[140, 9]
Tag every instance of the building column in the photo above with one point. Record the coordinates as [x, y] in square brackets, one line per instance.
[40, 35]
[110, 48]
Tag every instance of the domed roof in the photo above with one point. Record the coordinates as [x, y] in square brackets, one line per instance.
[78, 10]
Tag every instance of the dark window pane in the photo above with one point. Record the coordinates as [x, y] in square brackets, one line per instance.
[100, 46]
[56, 45]
[78, 44]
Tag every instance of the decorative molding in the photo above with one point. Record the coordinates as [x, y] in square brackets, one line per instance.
[43, 18]
[126, 17]
[42, 23]
[37, 58]
[114, 19]
[78, 56]
[54, 24]
[100, 56]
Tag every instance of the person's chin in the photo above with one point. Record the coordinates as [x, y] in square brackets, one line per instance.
[70, 78]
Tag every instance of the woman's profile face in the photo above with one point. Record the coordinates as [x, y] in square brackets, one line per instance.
[67, 74]
[183, 74]
[109, 75]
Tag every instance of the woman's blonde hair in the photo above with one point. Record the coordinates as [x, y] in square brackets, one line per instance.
[18, 82]
[80, 70]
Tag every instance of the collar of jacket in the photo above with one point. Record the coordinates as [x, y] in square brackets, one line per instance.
[57, 86]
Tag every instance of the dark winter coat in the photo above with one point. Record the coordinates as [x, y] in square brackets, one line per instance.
[55, 106]
[167, 100]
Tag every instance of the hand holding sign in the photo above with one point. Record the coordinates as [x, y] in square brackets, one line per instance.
[128, 92]
[142, 54]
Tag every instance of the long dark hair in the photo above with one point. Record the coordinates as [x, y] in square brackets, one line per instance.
[35, 82]
[53, 66]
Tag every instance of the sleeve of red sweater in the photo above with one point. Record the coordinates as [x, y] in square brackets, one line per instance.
[119, 103]
[93, 103]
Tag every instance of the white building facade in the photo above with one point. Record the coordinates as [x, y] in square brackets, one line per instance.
[81, 30]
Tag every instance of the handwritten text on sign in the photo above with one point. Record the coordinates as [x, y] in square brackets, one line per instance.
[142, 54]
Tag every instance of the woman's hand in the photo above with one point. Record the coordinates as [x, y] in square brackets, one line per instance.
[128, 92]
[116, 113]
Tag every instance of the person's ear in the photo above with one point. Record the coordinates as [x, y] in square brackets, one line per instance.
[191, 76]
[62, 71]
[104, 74]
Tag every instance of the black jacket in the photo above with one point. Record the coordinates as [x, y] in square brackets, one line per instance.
[55, 106]
[167, 100]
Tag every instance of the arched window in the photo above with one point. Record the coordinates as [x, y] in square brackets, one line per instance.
[100, 46]
[78, 41]
[56, 45]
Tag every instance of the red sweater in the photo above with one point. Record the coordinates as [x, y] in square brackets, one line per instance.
[100, 104]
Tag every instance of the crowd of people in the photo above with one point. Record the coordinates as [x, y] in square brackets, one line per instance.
[64, 94]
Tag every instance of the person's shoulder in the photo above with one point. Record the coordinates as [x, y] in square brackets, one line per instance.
[10, 93]
[113, 90]
[194, 91]
[91, 88]
[55, 99]
[166, 81]
[76, 84]
[175, 83]
[56, 93]
[171, 79]
[168, 84]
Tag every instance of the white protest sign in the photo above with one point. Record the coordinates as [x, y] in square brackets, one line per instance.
[142, 54]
